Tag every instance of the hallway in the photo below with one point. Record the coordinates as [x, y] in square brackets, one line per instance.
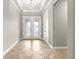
[35, 49]
[35, 29]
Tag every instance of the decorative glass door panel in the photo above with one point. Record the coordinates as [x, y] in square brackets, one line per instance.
[32, 27]
[36, 29]
[28, 29]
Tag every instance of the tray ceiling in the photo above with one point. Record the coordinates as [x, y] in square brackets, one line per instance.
[32, 5]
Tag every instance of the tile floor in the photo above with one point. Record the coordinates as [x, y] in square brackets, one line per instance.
[35, 49]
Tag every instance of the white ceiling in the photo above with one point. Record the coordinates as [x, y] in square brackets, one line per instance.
[32, 5]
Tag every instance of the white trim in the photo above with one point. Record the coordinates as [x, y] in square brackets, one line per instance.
[47, 6]
[5, 52]
[64, 47]
[54, 1]
[31, 13]
[30, 38]
[48, 44]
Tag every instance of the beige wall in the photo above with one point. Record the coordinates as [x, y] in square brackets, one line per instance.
[11, 24]
[60, 23]
[56, 14]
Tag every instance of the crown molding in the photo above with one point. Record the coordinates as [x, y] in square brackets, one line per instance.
[16, 6]
[31, 13]
[36, 13]
[47, 1]
[47, 6]
[55, 1]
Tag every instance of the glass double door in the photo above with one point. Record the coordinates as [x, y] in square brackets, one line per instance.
[32, 29]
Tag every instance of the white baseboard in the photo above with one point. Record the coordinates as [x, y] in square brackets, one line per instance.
[49, 44]
[64, 47]
[29, 38]
[5, 52]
